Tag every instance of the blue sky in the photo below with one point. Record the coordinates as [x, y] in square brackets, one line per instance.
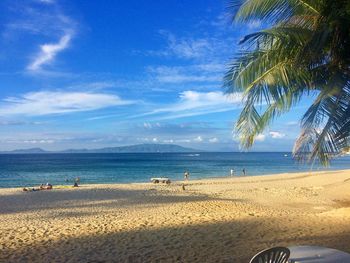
[90, 74]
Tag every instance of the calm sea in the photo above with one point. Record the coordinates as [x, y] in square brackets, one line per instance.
[19, 170]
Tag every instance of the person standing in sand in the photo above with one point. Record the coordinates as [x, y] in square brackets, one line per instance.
[186, 175]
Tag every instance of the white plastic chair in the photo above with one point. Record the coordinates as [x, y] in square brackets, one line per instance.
[272, 255]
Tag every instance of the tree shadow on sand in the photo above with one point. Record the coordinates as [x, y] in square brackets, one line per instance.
[103, 197]
[234, 241]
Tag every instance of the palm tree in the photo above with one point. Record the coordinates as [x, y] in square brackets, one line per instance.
[305, 50]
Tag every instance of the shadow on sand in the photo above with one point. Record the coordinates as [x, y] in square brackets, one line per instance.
[224, 241]
[104, 197]
[235, 241]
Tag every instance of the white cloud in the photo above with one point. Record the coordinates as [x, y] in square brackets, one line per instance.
[147, 125]
[53, 102]
[39, 141]
[260, 137]
[50, 22]
[48, 52]
[183, 140]
[198, 139]
[193, 103]
[276, 135]
[214, 140]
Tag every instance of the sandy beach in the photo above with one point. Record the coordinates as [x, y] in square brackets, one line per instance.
[216, 220]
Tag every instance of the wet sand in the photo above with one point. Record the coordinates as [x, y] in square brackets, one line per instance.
[216, 220]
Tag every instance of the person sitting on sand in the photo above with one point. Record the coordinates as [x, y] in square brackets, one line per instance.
[75, 184]
[28, 189]
[48, 186]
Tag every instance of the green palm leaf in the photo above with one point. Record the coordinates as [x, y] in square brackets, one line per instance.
[305, 50]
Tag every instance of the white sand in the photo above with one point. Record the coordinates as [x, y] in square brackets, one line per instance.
[217, 220]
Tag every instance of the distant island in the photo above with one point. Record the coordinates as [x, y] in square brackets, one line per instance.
[139, 148]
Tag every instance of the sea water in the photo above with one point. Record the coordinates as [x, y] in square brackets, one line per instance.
[20, 170]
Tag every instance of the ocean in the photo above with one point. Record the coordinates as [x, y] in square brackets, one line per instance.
[22, 170]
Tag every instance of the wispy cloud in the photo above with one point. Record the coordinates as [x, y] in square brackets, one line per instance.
[58, 102]
[187, 48]
[200, 48]
[17, 123]
[96, 85]
[45, 19]
[194, 73]
[48, 52]
[193, 103]
[47, 1]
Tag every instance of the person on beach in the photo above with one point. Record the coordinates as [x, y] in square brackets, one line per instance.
[232, 172]
[28, 189]
[186, 175]
[243, 171]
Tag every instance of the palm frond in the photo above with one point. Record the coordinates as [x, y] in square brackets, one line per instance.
[305, 50]
[272, 11]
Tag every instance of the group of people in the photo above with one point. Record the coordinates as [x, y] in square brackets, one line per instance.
[48, 186]
[232, 172]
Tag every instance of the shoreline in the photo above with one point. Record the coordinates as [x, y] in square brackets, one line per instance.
[214, 220]
[190, 180]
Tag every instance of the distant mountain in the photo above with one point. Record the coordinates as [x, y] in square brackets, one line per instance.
[139, 148]
[31, 150]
